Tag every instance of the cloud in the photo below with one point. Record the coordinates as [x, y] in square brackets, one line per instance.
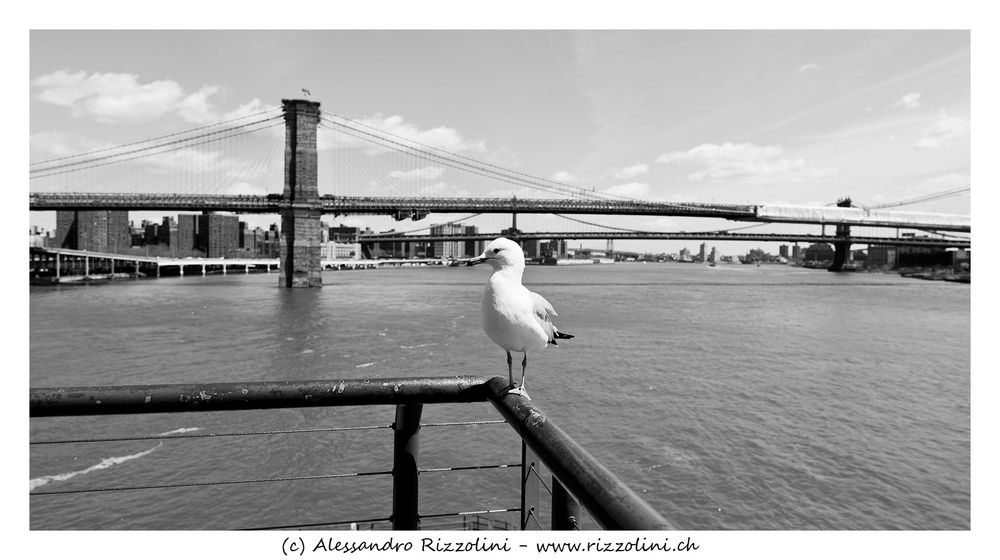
[632, 171]
[909, 101]
[122, 98]
[945, 131]
[809, 66]
[196, 108]
[58, 144]
[421, 173]
[441, 137]
[630, 190]
[563, 176]
[947, 180]
[744, 162]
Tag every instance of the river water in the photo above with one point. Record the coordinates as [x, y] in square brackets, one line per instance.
[732, 397]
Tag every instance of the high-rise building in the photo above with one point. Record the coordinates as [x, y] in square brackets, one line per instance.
[187, 234]
[473, 248]
[65, 229]
[218, 235]
[702, 256]
[783, 251]
[104, 231]
[452, 249]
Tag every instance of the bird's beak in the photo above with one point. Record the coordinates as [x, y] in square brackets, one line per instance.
[475, 261]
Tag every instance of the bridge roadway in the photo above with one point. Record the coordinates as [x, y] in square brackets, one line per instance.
[418, 207]
[681, 236]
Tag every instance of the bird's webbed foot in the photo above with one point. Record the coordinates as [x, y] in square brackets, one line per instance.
[519, 391]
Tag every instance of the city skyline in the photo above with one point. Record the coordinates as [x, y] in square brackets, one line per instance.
[779, 117]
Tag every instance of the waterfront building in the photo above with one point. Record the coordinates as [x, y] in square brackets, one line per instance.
[702, 256]
[819, 252]
[105, 231]
[881, 256]
[150, 233]
[446, 249]
[187, 234]
[336, 250]
[783, 251]
[168, 234]
[218, 235]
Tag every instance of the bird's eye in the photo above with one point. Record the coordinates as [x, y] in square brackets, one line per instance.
[495, 251]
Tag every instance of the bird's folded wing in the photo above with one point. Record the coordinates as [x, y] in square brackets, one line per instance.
[543, 309]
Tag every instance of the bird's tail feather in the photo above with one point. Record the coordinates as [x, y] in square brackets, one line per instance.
[556, 334]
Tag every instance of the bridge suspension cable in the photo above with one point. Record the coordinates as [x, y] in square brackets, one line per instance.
[356, 129]
[923, 198]
[448, 223]
[272, 111]
[155, 149]
[633, 230]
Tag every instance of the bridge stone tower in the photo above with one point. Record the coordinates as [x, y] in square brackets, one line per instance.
[301, 208]
[841, 248]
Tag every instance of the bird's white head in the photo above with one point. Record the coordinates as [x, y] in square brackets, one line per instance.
[501, 253]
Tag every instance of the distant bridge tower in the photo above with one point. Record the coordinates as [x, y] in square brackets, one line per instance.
[302, 209]
[841, 248]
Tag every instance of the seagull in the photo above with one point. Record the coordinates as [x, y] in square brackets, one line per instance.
[515, 318]
[306, 92]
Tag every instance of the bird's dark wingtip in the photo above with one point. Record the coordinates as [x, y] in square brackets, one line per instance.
[562, 335]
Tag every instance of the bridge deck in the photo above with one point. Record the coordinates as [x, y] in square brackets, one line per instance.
[416, 208]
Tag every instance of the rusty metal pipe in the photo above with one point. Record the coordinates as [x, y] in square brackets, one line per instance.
[608, 500]
[139, 399]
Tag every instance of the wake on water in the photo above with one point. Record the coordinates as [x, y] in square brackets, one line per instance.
[104, 464]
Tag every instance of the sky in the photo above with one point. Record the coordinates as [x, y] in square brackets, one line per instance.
[745, 117]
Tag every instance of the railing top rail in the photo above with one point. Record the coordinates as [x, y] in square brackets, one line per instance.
[611, 503]
[139, 399]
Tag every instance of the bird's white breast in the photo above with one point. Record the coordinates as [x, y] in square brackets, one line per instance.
[509, 316]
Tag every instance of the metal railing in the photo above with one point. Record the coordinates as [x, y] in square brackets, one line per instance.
[577, 477]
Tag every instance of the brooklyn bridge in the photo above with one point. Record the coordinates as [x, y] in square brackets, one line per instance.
[186, 177]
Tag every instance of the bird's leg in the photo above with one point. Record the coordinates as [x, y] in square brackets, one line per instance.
[520, 390]
[524, 365]
[510, 369]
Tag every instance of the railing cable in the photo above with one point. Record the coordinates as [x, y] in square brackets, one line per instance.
[480, 512]
[468, 468]
[210, 483]
[305, 525]
[211, 435]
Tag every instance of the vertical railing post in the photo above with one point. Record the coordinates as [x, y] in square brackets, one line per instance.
[406, 450]
[529, 489]
[565, 509]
